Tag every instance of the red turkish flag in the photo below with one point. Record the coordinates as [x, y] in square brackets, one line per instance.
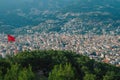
[11, 38]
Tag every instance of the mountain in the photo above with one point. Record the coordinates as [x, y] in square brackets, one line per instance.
[72, 16]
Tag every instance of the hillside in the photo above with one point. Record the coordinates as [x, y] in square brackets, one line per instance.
[55, 65]
[69, 16]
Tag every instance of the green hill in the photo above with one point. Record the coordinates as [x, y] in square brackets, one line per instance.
[55, 65]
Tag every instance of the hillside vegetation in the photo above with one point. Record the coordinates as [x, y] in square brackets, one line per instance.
[55, 65]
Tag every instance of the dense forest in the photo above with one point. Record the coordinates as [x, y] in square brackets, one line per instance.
[55, 65]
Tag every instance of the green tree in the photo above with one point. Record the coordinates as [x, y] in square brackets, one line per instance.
[60, 62]
[85, 69]
[26, 74]
[99, 73]
[12, 74]
[89, 76]
[4, 66]
[110, 75]
[17, 73]
[1, 76]
[62, 72]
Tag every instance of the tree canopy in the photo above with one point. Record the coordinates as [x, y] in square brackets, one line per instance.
[55, 65]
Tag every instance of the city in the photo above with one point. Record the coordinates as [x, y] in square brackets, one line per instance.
[102, 48]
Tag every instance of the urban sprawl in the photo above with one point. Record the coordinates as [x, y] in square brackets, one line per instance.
[103, 48]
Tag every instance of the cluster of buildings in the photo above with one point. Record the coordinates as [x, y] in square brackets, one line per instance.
[103, 48]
